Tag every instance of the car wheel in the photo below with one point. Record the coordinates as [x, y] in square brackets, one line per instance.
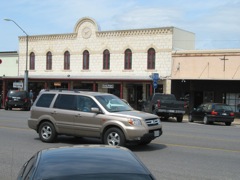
[114, 137]
[190, 119]
[47, 132]
[205, 120]
[228, 123]
[154, 111]
[179, 118]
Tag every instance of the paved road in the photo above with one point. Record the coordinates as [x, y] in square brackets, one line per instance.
[184, 151]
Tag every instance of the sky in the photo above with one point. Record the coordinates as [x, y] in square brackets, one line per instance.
[215, 23]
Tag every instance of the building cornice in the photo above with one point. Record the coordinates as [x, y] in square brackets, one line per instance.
[135, 32]
[117, 33]
[48, 37]
[197, 53]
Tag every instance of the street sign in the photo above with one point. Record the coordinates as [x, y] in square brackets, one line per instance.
[155, 76]
[18, 85]
[155, 84]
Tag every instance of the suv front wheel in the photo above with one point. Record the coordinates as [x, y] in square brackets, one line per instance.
[114, 137]
[47, 132]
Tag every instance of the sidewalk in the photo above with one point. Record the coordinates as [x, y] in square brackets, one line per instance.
[235, 122]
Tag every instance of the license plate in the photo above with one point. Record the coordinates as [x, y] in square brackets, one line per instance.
[156, 133]
[224, 114]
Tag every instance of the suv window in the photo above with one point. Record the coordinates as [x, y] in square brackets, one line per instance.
[45, 100]
[65, 101]
[112, 103]
[85, 103]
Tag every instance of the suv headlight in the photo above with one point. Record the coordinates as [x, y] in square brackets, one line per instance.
[135, 122]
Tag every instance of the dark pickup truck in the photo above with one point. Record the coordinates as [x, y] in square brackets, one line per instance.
[164, 105]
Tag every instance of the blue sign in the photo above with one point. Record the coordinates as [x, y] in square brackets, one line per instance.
[155, 84]
[155, 76]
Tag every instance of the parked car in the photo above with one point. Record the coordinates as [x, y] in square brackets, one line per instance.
[17, 99]
[212, 112]
[91, 114]
[89, 162]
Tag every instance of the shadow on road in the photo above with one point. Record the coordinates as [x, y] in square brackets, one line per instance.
[72, 141]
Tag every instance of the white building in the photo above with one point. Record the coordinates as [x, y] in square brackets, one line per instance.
[119, 62]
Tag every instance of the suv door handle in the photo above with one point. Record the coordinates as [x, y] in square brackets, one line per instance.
[54, 112]
[78, 115]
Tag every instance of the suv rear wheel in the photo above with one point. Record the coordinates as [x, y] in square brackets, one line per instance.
[47, 132]
[114, 137]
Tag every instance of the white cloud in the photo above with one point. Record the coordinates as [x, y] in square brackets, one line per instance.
[211, 20]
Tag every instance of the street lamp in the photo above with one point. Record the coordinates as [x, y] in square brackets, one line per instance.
[26, 70]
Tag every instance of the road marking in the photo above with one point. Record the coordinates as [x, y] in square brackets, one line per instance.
[200, 137]
[9, 127]
[199, 147]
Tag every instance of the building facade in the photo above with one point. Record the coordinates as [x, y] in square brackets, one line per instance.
[120, 62]
[207, 76]
[8, 68]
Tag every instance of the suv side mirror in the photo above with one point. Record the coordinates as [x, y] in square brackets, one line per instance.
[95, 110]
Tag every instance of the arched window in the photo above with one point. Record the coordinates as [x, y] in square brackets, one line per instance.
[106, 59]
[151, 59]
[66, 60]
[49, 61]
[85, 59]
[128, 59]
[32, 61]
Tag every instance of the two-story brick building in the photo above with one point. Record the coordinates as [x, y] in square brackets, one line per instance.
[119, 62]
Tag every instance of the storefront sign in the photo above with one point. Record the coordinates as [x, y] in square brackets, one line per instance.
[108, 86]
[18, 85]
[57, 83]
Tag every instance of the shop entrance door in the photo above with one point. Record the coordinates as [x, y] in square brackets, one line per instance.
[135, 96]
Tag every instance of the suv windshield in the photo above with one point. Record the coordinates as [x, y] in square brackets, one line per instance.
[112, 103]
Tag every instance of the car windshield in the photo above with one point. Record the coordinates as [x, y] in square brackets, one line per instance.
[222, 107]
[21, 94]
[108, 176]
[112, 103]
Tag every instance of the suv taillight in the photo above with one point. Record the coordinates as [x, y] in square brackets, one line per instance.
[25, 100]
[214, 113]
[231, 114]
[158, 103]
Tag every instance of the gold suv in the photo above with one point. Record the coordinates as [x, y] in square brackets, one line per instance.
[91, 114]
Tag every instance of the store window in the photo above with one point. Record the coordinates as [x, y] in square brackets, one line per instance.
[151, 59]
[49, 61]
[233, 99]
[66, 60]
[32, 61]
[85, 59]
[106, 59]
[128, 59]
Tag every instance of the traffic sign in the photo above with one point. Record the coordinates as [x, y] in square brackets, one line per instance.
[155, 84]
[155, 76]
